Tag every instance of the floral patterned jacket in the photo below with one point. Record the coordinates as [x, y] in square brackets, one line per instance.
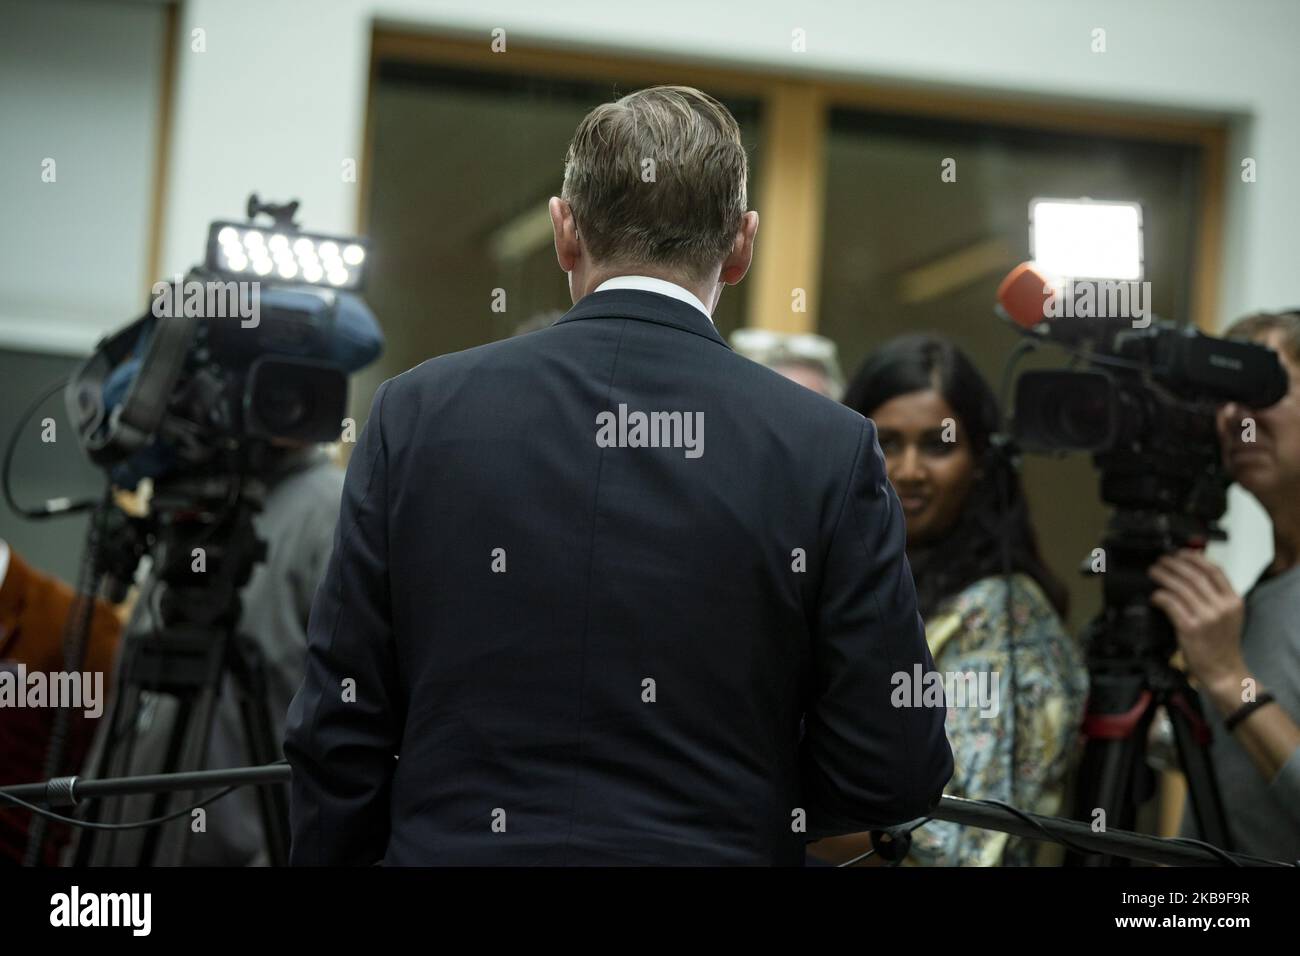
[1045, 698]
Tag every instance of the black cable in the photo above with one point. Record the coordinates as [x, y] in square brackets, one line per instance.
[1223, 855]
[1005, 458]
[1050, 837]
[1047, 834]
[1226, 857]
[139, 825]
[46, 511]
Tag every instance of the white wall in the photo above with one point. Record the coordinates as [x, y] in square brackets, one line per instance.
[79, 85]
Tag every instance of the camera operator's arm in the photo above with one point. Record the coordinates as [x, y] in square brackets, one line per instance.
[1207, 615]
[345, 722]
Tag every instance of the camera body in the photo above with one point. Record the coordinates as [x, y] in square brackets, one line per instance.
[1145, 409]
[223, 366]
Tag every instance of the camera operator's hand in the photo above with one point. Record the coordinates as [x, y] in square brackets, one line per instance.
[1207, 614]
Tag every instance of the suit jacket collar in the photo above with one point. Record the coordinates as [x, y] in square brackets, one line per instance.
[645, 307]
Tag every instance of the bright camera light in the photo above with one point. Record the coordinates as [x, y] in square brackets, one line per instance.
[281, 253]
[1083, 239]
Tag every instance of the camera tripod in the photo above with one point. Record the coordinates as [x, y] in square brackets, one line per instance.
[206, 550]
[1129, 649]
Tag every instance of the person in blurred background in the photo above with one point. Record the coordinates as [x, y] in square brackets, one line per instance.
[810, 360]
[1245, 655]
[967, 525]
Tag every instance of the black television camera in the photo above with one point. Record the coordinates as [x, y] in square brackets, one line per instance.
[244, 351]
[1145, 408]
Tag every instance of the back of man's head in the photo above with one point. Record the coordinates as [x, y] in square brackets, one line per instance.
[657, 178]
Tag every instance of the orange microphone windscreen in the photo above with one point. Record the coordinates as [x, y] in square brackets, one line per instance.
[1024, 295]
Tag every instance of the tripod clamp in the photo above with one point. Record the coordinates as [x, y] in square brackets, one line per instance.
[62, 791]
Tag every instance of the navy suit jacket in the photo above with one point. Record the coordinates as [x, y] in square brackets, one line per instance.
[542, 640]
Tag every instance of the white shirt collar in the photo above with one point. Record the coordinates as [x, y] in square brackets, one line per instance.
[4, 561]
[651, 284]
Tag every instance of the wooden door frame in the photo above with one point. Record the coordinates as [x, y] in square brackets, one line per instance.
[795, 108]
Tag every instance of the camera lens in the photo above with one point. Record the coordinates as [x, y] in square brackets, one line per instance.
[282, 406]
[1065, 411]
[1082, 419]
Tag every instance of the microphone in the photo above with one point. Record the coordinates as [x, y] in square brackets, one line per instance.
[1181, 358]
[1033, 303]
[1025, 296]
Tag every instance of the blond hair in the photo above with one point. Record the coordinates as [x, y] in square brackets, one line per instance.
[1264, 324]
[658, 178]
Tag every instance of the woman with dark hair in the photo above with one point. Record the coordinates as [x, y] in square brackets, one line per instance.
[990, 605]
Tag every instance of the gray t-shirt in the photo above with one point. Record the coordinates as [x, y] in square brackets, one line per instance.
[1263, 815]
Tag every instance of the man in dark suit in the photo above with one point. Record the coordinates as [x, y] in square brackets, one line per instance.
[561, 627]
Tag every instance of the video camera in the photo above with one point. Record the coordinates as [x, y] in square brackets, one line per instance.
[1145, 409]
[1145, 406]
[252, 348]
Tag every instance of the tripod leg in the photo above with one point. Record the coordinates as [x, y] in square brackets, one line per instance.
[113, 758]
[1114, 770]
[262, 747]
[188, 752]
[1192, 735]
[183, 667]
